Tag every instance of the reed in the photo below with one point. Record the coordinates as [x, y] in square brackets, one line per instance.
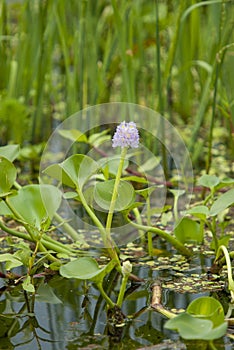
[58, 57]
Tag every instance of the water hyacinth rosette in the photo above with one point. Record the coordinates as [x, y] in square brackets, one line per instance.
[126, 135]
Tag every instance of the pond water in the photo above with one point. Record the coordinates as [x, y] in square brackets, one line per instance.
[77, 318]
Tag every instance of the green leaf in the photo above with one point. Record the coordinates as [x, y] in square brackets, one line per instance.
[10, 152]
[200, 211]
[150, 164]
[10, 261]
[188, 230]
[97, 139]
[207, 308]
[86, 268]
[74, 171]
[8, 175]
[111, 165]
[223, 202]
[35, 203]
[136, 179]
[209, 181]
[190, 327]
[73, 135]
[103, 193]
[146, 192]
[27, 285]
[46, 294]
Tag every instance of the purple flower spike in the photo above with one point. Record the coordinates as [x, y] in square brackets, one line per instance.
[126, 135]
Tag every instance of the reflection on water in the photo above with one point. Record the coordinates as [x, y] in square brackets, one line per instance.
[79, 320]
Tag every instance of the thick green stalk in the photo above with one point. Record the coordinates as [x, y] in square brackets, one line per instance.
[108, 243]
[229, 269]
[105, 296]
[122, 290]
[115, 190]
[179, 246]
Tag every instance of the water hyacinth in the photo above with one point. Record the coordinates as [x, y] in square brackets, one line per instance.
[126, 135]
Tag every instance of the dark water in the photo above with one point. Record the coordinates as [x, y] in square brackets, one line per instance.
[79, 321]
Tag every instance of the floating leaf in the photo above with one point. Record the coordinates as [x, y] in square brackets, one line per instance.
[190, 327]
[223, 202]
[103, 194]
[85, 268]
[209, 181]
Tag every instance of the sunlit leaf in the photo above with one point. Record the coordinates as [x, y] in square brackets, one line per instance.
[224, 201]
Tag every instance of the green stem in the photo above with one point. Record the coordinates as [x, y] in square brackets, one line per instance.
[108, 243]
[122, 290]
[149, 234]
[115, 190]
[139, 221]
[159, 308]
[68, 228]
[150, 243]
[105, 296]
[179, 246]
[46, 243]
[229, 269]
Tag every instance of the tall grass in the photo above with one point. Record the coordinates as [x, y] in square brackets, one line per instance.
[58, 57]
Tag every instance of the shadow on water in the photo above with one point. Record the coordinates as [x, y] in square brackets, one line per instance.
[75, 317]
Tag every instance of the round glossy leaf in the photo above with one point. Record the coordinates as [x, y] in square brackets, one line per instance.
[207, 308]
[36, 203]
[8, 174]
[103, 195]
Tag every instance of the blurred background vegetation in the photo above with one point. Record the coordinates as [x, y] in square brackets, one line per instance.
[176, 57]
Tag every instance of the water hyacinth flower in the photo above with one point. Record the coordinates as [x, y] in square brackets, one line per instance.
[126, 135]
